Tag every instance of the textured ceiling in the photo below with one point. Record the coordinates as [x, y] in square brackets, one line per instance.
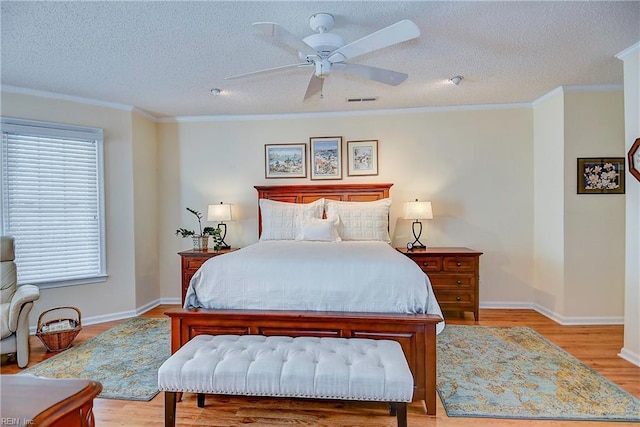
[164, 57]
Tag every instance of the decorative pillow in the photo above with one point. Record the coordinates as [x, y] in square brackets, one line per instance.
[361, 220]
[279, 218]
[322, 230]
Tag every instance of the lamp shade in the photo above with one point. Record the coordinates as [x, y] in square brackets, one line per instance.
[221, 212]
[417, 210]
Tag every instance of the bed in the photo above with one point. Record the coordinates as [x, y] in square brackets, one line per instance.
[414, 326]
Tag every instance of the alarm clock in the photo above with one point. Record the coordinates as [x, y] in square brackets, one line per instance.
[409, 246]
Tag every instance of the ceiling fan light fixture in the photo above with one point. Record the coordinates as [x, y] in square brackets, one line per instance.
[215, 91]
[323, 68]
[456, 80]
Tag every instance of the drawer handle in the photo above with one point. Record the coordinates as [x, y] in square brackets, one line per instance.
[458, 264]
[458, 298]
[459, 282]
[426, 263]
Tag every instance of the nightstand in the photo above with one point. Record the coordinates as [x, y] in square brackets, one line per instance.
[191, 262]
[454, 274]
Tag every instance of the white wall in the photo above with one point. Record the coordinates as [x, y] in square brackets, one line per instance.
[631, 350]
[117, 294]
[594, 223]
[475, 166]
[145, 212]
[579, 239]
[548, 196]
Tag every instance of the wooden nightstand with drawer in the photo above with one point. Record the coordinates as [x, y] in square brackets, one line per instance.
[454, 275]
[191, 262]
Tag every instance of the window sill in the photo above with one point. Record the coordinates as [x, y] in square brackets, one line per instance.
[73, 282]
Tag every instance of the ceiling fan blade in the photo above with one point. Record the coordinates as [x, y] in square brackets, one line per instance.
[275, 31]
[381, 75]
[315, 86]
[268, 70]
[397, 33]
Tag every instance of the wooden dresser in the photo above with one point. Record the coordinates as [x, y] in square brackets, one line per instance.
[30, 400]
[454, 274]
[191, 262]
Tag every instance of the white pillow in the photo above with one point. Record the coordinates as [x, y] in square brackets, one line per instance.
[314, 229]
[361, 220]
[279, 218]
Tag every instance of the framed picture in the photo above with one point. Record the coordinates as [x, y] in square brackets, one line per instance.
[601, 175]
[326, 157]
[634, 159]
[285, 160]
[362, 158]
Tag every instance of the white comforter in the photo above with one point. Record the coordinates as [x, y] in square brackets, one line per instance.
[298, 275]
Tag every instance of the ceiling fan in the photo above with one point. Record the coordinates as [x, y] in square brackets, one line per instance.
[327, 51]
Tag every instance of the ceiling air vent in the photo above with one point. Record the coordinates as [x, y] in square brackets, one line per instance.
[361, 99]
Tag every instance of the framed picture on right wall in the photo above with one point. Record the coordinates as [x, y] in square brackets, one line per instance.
[362, 157]
[601, 175]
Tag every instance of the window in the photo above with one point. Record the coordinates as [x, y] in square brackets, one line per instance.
[53, 201]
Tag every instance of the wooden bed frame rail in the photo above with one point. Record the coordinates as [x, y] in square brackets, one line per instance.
[416, 333]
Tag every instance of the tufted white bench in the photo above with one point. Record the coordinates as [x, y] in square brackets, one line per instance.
[278, 366]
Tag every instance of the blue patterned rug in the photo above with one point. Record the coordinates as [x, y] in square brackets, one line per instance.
[125, 359]
[513, 372]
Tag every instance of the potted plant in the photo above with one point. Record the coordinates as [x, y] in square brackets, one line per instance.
[201, 240]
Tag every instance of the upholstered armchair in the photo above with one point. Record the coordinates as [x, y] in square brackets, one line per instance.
[15, 305]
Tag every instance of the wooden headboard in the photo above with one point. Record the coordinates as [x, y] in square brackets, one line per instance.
[310, 193]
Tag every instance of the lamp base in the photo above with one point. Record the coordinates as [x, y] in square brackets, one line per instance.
[417, 244]
[223, 244]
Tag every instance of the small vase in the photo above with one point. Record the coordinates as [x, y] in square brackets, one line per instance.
[200, 243]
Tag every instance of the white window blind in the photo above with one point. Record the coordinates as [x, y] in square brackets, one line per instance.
[53, 202]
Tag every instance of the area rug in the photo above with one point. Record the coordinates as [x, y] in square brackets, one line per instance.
[513, 372]
[125, 359]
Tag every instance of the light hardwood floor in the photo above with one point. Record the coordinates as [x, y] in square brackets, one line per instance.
[597, 346]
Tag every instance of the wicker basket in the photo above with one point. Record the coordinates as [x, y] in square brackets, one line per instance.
[62, 339]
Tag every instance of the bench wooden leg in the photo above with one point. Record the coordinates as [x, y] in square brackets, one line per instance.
[400, 410]
[200, 400]
[169, 409]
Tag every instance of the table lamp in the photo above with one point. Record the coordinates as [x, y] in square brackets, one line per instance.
[417, 211]
[220, 213]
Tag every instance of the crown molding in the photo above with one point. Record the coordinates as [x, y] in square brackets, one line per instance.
[63, 97]
[289, 116]
[628, 51]
[144, 113]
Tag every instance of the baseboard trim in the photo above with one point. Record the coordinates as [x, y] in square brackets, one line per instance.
[507, 305]
[565, 321]
[171, 301]
[116, 316]
[121, 315]
[576, 321]
[629, 356]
